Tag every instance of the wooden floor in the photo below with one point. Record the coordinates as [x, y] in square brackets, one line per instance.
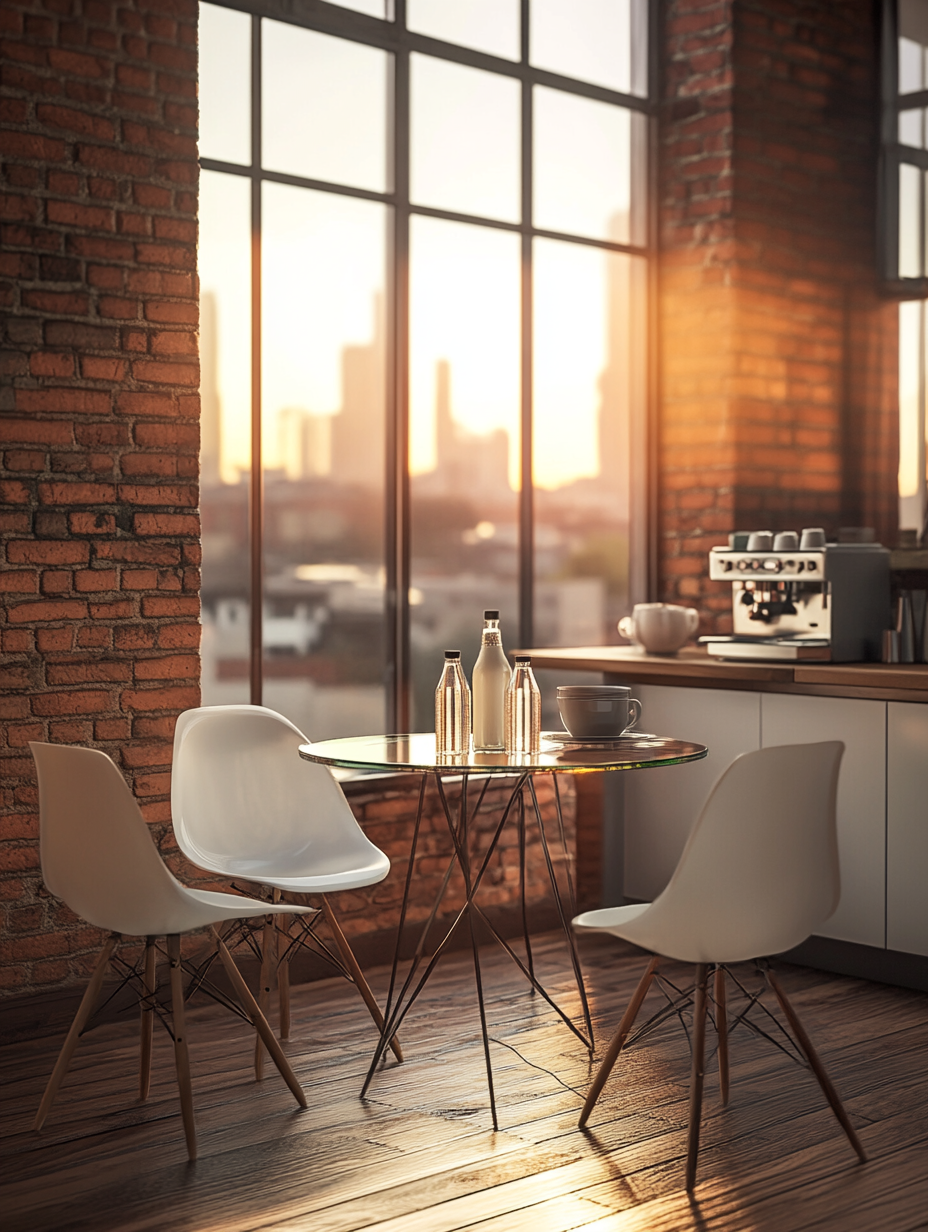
[419, 1154]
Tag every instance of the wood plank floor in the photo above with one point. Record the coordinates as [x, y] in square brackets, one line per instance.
[419, 1154]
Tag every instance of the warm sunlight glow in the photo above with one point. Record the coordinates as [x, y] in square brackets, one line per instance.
[911, 410]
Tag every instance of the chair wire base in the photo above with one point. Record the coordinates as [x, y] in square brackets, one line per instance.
[710, 1003]
[141, 976]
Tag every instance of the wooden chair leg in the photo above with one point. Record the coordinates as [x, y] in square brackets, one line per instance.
[721, 1018]
[818, 1069]
[251, 1007]
[698, 1074]
[618, 1041]
[84, 1010]
[282, 937]
[146, 1018]
[181, 1055]
[264, 987]
[356, 973]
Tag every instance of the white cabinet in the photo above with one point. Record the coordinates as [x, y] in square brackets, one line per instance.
[907, 828]
[662, 803]
[792, 719]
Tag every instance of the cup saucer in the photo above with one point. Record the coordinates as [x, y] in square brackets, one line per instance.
[563, 737]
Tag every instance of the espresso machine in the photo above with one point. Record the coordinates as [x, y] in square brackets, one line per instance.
[803, 598]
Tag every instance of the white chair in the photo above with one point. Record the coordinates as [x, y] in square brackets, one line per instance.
[758, 874]
[99, 858]
[246, 805]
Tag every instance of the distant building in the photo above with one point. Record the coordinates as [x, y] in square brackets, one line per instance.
[304, 443]
[466, 463]
[358, 431]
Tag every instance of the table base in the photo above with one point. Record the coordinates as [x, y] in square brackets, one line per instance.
[399, 1003]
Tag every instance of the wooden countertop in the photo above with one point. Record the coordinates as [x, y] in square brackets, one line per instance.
[694, 668]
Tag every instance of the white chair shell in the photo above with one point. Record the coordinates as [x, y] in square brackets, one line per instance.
[245, 805]
[759, 871]
[98, 855]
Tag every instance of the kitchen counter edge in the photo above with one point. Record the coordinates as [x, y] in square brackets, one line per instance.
[696, 669]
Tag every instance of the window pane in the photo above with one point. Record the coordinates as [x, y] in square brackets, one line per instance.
[486, 25]
[465, 139]
[588, 382]
[583, 167]
[911, 414]
[323, 409]
[464, 443]
[593, 40]
[910, 260]
[325, 107]
[224, 87]
[910, 127]
[913, 41]
[224, 262]
[374, 8]
[910, 66]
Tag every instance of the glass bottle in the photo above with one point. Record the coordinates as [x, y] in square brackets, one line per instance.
[492, 674]
[523, 709]
[452, 707]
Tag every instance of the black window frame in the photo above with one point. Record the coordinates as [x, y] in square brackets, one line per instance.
[892, 156]
[391, 35]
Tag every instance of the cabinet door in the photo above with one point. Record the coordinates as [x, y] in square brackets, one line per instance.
[907, 828]
[661, 804]
[788, 719]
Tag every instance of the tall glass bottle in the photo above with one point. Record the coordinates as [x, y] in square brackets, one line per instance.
[492, 674]
[523, 709]
[452, 707]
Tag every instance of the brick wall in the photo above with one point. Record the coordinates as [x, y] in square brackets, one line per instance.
[98, 421]
[779, 357]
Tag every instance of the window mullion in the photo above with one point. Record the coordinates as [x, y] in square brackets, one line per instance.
[397, 495]
[526, 489]
[256, 478]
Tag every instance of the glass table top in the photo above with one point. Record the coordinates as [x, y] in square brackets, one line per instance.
[416, 751]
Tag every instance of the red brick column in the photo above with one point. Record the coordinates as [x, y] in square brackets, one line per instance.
[779, 355]
[98, 421]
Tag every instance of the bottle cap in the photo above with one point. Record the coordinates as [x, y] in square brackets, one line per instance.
[452, 654]
[491, 614]
[523, 658]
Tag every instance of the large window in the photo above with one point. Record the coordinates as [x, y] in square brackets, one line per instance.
[424, 241]
[905, 232]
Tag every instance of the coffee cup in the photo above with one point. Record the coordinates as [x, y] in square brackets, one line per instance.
[660, 628]
[597, 712]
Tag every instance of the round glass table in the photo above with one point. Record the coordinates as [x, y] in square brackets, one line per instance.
[636, 751]
[452, 775]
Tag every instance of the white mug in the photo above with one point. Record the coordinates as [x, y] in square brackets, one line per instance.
[660, 628]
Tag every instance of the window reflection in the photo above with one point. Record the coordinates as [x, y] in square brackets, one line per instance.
[324, 107]
[464, 430]
[465, 139]
[587, 376]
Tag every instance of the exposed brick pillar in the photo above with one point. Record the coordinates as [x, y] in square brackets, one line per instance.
[98, 420]
[779, 368]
